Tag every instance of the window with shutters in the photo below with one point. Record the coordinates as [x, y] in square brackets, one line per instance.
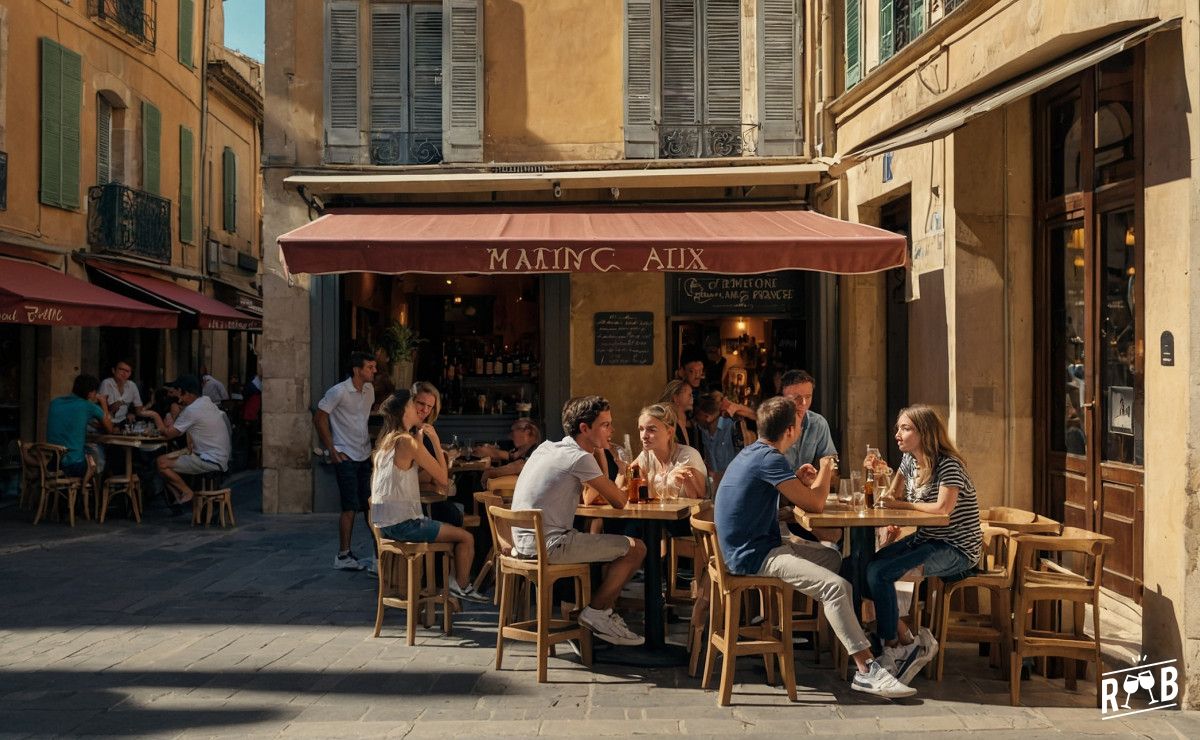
[104, 138]
[151, 149]
[384, 92]
[132, 19]
[61, 103]
[187, 31]
[229, 190]
[684, 77]
[900, 21]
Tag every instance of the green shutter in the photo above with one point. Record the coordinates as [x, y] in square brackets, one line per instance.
[886, 23]
[151, 159]
[186, 202]
[916, 19]
[853, 45]
[61, 99]
[187, 15]
[229, 188]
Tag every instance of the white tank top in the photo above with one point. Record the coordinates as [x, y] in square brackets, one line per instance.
[395, 493]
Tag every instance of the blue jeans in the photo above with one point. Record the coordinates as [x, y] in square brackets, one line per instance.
[889, 564]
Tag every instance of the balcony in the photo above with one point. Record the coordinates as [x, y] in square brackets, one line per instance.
[689, 141]
[133, 19]
[129, 222]
[405, 147]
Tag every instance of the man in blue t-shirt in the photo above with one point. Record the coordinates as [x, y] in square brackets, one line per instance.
[67, 421]
[746, 515]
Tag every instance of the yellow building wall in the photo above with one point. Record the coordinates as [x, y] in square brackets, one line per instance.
[229, 127]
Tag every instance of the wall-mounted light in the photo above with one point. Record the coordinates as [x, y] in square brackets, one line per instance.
[1129, 240]
[741, 325]
[449, 281]
[458, 299]
[1077, 238]
[1078, 262]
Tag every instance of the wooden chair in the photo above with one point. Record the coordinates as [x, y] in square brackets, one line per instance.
[502, 489]
[726, 634]
[543, 630]
[128, 485]
[204, 501]
[31, 475]
[1037, 580]
[406, 583]
[1019, 521]
[53, 484]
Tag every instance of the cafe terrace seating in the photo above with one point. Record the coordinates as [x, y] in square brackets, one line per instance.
[407, 580]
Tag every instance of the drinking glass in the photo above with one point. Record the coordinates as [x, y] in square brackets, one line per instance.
[856, 481]
[872, 456]
[845, 494]
[1146, 679]
[860, 503]
[882, 484]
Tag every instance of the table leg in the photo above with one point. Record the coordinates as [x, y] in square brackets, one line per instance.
[862, 547]
[655, 637]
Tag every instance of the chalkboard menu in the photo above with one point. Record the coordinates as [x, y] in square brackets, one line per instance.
[624, 338]
[740, 294]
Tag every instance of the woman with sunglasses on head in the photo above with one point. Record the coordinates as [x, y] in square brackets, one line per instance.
[396, 495]
[525, 437]
[427, 401]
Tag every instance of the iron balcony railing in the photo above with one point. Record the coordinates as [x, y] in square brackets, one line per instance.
[129, 222]
[684, 141]
[131, 18]
[405, 147]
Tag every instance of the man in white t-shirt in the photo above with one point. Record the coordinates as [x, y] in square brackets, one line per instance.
[121, 396]
[213, 388]
[341, 423]
[208, 433]
[552, 480]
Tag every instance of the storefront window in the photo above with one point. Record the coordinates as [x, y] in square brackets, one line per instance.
[1064, 133]
[1114, 120]
[1120, 391]
[1067, 433]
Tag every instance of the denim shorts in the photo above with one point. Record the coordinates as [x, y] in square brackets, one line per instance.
[421, 529]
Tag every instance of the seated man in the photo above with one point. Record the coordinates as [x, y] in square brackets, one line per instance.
[67, 422]
[553, 480]
[745, 513]
[208, 430]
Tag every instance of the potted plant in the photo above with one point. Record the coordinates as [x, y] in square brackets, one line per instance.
[401, 342]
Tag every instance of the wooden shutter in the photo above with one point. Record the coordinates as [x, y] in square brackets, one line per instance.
[853, 43]
[641, 79]
[187, 16]
[186, 188]
[462, 90]
[229, 189]
[779, 76]
[151, 140]
[425, 74]
[61, 101]
[103, 141]
[680, 62]
[886, 36]
[722, 61]
[389, 67]
[916, 19]
[343, 138]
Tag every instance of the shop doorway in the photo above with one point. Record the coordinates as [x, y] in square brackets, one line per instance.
[1090, 362]
[896, 216]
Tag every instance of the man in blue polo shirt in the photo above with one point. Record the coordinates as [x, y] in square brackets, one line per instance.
[746, 511]
[67, 421]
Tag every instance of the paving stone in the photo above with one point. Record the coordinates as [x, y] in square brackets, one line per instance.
[520, 728]
[608, 727]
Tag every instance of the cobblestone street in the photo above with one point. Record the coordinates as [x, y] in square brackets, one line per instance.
[166, 630]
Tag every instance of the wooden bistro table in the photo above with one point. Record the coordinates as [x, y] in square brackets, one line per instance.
[652, 514]
[131, 442]
[862, 534]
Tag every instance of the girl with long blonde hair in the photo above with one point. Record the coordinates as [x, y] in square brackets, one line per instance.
[934, 480]
[665, 461]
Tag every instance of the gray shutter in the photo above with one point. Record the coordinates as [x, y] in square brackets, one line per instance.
[779, 77]
[641, 79]
[389, 67]
[425, 61]
[103, 141]
[343, 138]
[853, 43]
[462, 89]
[722, 61]
[886, 37]
[680, 62]
[916, 19]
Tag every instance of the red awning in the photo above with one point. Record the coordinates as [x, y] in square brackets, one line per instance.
[33, 294]
[737, 240]
[209, 312]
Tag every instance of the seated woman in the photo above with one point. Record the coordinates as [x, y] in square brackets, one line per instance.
[678, 395]
[525, 437]
[935, 481]
[396, 495]
[428, 402]
[663, 461]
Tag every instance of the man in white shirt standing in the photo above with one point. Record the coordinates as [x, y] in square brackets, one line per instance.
[341, 422]
[213, 388]
[208, 431]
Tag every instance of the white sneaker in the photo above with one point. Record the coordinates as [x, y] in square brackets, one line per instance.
[347, 562]
[902, 658]
[608, 627]
[369, 565]
[879, 682]
[467, 594]
[928, 649]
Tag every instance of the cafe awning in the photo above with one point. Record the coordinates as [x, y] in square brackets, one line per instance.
[33, 294]
[209, 312]
[725, 239]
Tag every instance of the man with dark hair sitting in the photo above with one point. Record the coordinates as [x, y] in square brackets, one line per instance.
[552, 481]
[67, 421]
[747, 504]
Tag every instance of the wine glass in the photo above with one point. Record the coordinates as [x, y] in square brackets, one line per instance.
[1130, 684]
[1146, 679]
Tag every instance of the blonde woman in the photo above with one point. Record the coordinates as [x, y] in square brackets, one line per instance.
[428, 402]
[663, 460]
[935, 481]
[396, 493]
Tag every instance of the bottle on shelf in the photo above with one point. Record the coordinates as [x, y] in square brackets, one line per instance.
[508, 362]
[478, 362]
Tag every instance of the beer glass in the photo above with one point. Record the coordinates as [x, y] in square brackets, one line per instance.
[844, 495]
[860, 503]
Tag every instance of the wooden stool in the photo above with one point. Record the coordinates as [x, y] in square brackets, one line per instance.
[406, 583]
[202, 506]
[129, 485]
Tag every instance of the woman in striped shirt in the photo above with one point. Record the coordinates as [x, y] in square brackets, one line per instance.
[935, 481]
